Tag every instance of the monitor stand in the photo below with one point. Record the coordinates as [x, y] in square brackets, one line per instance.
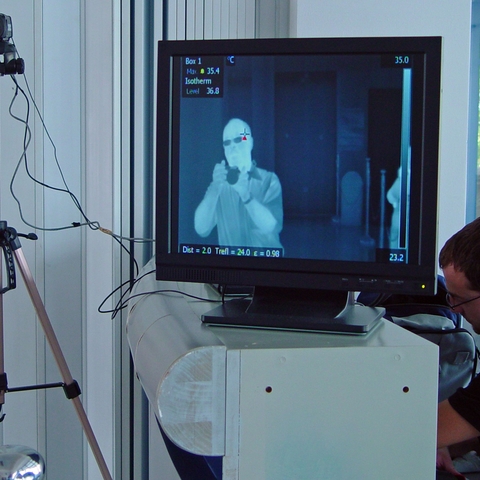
[297, 309]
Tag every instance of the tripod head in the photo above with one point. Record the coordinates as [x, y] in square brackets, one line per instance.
[9, 242]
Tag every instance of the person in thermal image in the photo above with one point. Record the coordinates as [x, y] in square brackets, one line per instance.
[243, 200]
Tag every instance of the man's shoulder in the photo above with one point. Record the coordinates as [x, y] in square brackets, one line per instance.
[261, 173]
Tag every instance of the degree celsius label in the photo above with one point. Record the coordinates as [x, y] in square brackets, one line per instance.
[202, 77]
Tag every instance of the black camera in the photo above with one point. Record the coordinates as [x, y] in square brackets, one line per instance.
[11, 64]
[232, 174]
[6, 29]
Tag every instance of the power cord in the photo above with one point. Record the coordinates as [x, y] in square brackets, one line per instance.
[93, 225]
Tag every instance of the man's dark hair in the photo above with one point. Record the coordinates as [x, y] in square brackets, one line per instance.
[462, 251]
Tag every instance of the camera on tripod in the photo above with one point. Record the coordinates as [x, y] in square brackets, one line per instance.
[10, 64]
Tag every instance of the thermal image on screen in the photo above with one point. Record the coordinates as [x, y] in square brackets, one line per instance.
[294, 156]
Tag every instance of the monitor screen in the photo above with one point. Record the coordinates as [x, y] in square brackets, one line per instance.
[299, 164]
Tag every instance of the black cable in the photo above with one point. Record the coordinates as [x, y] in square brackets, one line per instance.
[120, 306]
[169, 290]
[93, 225]
[24, 159]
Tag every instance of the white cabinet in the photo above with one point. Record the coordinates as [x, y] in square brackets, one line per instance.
[286, 405]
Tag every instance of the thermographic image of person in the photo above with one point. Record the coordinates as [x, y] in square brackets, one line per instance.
[243, 200]
[393, 197]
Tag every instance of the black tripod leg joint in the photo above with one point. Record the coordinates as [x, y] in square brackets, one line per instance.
[3, 382]
[72, 390]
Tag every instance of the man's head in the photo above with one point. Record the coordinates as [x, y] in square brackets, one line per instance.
[238, 144]
[460, 261]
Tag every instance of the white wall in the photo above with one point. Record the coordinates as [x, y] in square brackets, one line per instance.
[61, 250]
[70, 56]
[452, 21]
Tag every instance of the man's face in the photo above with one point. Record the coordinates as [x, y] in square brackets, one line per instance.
[238, 144]
[460, 291]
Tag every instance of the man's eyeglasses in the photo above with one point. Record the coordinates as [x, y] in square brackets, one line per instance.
[228, 142]
[449, 298]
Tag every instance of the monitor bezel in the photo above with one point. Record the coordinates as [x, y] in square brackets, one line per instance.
[302, 273]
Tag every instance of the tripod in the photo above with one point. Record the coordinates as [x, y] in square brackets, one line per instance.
[12, 250]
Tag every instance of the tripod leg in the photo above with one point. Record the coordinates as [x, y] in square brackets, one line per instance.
[2, 354]
[60, 359]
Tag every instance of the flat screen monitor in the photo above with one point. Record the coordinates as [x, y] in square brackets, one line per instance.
[305, 168]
